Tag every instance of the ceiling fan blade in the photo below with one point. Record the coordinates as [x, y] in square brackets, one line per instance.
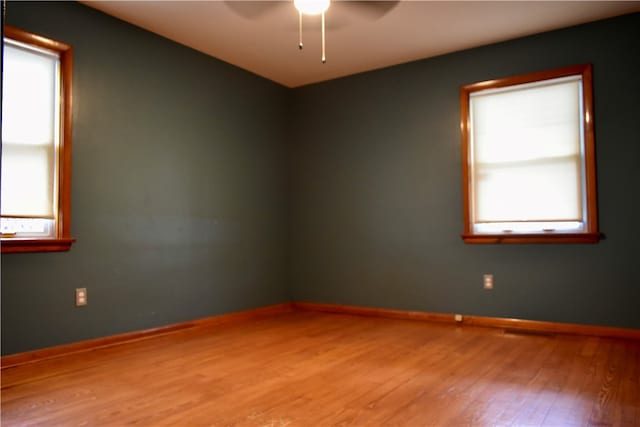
[371, 10]
[254, 9]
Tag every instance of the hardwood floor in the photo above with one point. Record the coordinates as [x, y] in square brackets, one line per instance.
[317, 369]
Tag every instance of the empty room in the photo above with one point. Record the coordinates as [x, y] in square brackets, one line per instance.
[384, 213]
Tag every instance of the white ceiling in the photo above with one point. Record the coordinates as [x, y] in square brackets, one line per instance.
[357, 40]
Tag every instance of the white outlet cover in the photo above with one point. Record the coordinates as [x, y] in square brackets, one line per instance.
[488, 281]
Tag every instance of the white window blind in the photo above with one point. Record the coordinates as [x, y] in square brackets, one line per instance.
[527, 164]
[30, 131]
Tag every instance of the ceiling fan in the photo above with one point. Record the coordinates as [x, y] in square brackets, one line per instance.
[371, 10]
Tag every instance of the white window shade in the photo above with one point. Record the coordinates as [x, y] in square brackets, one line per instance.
[27, 181]
[526, 155]
[30, 131]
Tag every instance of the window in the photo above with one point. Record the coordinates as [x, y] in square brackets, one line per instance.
[36, 143]
[528, 159]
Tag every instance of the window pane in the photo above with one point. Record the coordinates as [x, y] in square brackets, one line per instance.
[541, 191]
[27, 180]
[528, 227]
[526, 124]
[526, 153]
[30, 108]
[29, 96]
[27, 227]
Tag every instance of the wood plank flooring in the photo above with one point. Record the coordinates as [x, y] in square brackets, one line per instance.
[317, 369]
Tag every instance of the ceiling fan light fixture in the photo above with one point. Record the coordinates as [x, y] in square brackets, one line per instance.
[312, 7]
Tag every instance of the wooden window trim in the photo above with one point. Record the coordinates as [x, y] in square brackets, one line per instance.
[62, 239]
[590, 233]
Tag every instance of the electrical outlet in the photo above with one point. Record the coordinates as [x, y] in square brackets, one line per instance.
[81, 297]
[488, 281]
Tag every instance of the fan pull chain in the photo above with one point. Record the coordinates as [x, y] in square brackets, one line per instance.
[300, 45]
[324, 57]
[300, 30]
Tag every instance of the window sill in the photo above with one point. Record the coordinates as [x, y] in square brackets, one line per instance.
[23, 245]
[532, 238]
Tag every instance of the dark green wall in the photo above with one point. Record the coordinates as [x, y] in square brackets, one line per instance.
[195, 193]
[376, 203]
[179, 188]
